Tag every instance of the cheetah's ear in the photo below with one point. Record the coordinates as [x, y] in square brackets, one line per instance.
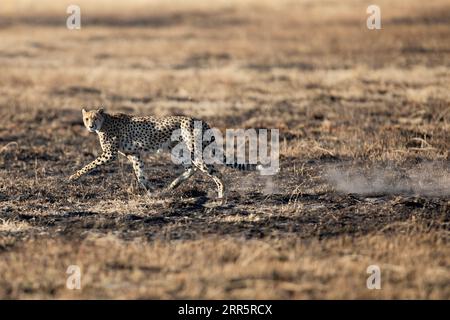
[83, 111]
[101, 110]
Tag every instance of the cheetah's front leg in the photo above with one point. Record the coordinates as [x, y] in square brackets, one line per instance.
[138, 167]
[105, 158]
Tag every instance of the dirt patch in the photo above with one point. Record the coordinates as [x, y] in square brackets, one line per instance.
[364, 126]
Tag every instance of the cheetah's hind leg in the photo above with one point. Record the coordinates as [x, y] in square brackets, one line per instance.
[215, 175]
[189, 172]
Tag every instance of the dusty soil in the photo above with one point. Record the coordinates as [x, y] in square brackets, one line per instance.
[364, 126]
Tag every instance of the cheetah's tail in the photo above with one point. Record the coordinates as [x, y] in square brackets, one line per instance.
[264, 170]
[244, 166]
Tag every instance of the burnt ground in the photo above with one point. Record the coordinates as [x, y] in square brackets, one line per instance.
[364, 126]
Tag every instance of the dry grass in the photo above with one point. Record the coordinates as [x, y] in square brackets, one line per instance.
[230, 268]
[13, 226]
[364, 118]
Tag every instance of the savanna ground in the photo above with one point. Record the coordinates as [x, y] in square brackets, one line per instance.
[364, 120]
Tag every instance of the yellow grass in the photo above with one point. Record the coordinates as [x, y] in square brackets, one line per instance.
[364, 120]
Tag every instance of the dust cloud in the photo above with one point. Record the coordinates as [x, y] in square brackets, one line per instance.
[424, 179]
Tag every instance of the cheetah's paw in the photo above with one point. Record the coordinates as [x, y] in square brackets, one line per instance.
[73, 177]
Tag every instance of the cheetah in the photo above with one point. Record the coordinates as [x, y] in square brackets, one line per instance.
[131, 135]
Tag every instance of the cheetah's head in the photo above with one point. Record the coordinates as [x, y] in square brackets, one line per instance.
[93, 120]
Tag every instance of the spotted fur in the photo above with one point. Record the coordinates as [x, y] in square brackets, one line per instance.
[131, 135]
